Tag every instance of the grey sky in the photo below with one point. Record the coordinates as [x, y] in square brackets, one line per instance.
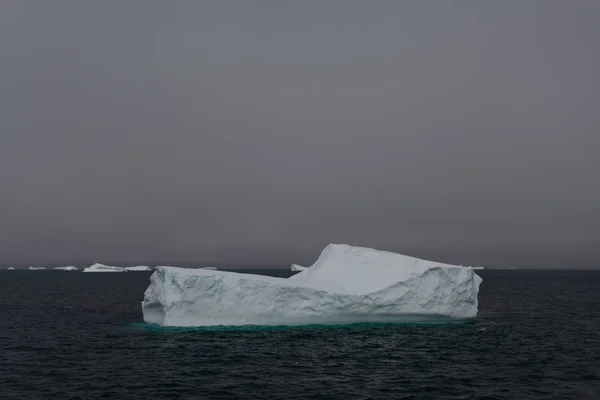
[238, 131]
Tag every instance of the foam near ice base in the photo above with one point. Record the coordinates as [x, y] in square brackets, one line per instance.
[138, 268]
[296, 267]
[345, 285]
[69, 268]
[103, 268]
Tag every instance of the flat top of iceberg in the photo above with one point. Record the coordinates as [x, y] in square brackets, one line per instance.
[359, 270]
[345, 269]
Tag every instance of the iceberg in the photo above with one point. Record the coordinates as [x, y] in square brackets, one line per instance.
[296, 267]
[209, 268]
[35, 268]
[103, 268]
[69, 268]
[345, 285]
[10, 268]
[138, 268]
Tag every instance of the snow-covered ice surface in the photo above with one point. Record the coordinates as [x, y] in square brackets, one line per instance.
[69, 268]
[345, 285]
[36, 268]
[209, 268]
[138, 268]
[296, 267]
[103, 268]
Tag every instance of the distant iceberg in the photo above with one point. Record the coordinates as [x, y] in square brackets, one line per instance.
[138, 268]
[69, 268]
[345, 285]
[10, 268]
[207, 268]
[103, 268]
[35, 268]
[296, 268]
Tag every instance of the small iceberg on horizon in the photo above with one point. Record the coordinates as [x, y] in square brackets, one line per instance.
[103, 268]
[138, 268]
[35, 268]
[69, 268]
[10, 268]
[346, 285]
[296, 268]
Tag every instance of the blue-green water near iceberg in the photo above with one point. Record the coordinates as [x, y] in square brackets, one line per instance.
[68, 335]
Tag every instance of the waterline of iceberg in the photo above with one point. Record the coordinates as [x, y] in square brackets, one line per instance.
[160, 329]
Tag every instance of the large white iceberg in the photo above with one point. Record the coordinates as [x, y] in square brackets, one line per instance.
[69, 268]
[35, 268]
[103, 268]
[296, 267]
[138, 268]
[345, 285]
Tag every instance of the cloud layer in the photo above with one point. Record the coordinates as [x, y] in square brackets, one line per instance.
[238, 132]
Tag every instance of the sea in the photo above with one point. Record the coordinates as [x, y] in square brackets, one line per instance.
[71, 335]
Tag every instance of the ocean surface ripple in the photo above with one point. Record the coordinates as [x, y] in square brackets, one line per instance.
[80, 336]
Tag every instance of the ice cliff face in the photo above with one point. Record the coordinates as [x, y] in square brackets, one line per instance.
[103, 268]
[345, 285]
[296, 267]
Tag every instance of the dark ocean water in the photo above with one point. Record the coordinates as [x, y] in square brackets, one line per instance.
[69, 335]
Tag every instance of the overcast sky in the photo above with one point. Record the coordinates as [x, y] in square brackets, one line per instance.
[256, 132]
